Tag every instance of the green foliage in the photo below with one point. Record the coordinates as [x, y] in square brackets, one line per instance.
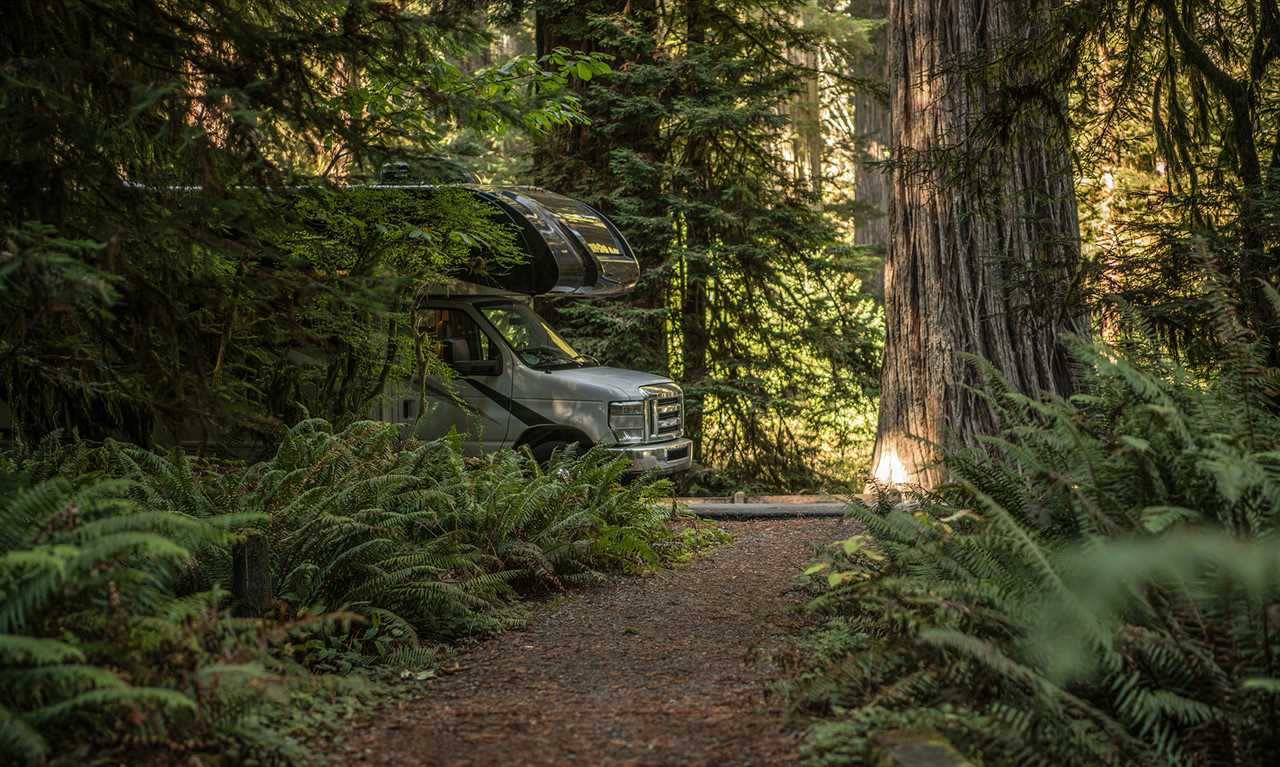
[115, 568]
[432, 545]
[748, 295]
[83, 567]
[1098, 586]
[1175, 119]
[159, 283]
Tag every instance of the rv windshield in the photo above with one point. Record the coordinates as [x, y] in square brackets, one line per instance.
[537, 344]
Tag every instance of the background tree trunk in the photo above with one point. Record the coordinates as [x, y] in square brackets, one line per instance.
[871, 120]
[696, 269]
[804, 112]
[984, 241]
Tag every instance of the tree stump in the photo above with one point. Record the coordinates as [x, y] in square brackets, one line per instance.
[251, 578]
[914, 748]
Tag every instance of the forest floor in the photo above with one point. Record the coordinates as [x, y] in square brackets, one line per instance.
[671, 668]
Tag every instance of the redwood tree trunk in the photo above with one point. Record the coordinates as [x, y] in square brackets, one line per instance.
[984, 243]
[871, 180]
[871, 119]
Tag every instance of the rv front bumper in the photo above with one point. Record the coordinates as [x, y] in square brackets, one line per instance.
[662, 458]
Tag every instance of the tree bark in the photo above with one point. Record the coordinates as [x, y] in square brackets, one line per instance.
[984, 242]
[871, 179]
[696, 271]
[251, 588]
[804, 112]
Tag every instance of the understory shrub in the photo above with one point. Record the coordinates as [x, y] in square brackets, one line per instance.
[1097, 585]
[115, 571]
[431, 544]
[97, 632]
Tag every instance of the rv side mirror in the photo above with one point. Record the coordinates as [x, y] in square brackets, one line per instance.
[479, 367]
[459, 350]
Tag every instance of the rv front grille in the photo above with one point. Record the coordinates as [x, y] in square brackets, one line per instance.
[666, 417]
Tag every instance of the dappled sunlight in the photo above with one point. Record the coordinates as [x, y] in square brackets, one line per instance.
[890, 471]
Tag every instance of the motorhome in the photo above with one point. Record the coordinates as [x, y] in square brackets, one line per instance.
[515, 381]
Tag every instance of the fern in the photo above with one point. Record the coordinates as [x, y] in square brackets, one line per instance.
[118, 561]
[72, 547]
[361, 521]
[1099, 581]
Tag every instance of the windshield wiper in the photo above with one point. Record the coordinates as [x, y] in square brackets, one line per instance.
[553, 355]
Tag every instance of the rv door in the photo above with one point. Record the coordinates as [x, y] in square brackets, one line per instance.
[475, 401]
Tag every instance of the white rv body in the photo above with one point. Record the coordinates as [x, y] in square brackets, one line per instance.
[516, 382]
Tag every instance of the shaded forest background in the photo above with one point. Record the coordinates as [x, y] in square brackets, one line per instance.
[152, 285]
[1095, 581]
[724, 144]
[743, 149]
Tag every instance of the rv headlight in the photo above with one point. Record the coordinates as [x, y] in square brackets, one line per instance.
[626, 419]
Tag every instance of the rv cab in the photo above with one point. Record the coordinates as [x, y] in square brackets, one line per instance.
[514, 380]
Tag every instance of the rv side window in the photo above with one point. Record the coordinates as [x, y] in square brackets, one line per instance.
[456, 336]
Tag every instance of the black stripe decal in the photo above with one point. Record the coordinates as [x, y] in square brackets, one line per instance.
[453, 399]
[530, 417]
[460, 403]
[436, 390]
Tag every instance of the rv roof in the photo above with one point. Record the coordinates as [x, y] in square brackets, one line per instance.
[452, 288]
[572, 248]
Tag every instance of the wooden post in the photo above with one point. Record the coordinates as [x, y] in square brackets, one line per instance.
[251, 578]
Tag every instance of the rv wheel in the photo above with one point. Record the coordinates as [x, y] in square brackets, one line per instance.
[543, 451]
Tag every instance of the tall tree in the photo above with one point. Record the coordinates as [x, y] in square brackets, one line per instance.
[143, 278]
[984, 244]
[871, 120]
[744, 295]
[610, 163]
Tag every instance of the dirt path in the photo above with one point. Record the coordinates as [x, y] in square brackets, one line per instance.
[667, 669]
